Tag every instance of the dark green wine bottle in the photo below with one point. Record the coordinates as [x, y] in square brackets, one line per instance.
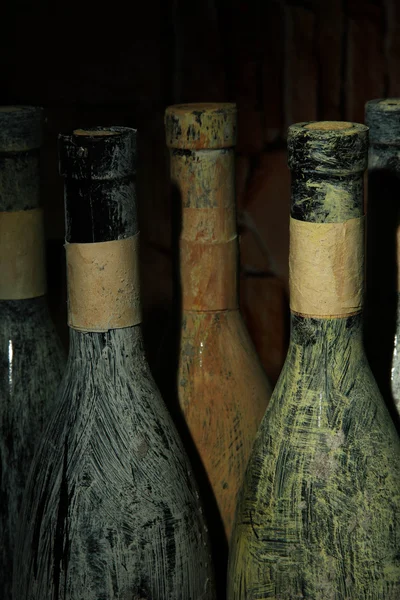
[318, 516]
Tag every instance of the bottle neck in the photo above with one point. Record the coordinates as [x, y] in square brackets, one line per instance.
[326, 260]
[103, 285]
[383, 241]
[19, 181]
[22, 255]
[22, 248]
[208, 275]
[102, 251]
[100, 211]
[26, 309]
[114, 349]
[322, 339]
[208, 249]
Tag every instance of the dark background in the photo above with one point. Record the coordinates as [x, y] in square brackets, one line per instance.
[123, 63]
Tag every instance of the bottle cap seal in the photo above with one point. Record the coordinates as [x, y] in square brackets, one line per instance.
[332, 147]
[98, 153]
[201, 126]
[20, 128]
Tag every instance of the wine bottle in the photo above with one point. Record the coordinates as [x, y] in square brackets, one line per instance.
[111, 509]
[31, 356]
[319, 513]
[222, 388]
[382, 327]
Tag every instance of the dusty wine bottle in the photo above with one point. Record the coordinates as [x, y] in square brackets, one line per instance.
[111, 509]
[31, 356]
[382, 327]
[222, 388]
[319, 513]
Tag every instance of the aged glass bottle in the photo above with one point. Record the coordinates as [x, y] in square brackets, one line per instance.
[111, 509]
[382, 326]
[319, 512]
[222, 388]
[31, 356]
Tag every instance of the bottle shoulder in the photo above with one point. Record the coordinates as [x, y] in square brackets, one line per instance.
[112, 463]
[222, 333]
[109, 401]
[323, 480]
[32, 358]
[26, 319]
[217, 348]
[329, 415]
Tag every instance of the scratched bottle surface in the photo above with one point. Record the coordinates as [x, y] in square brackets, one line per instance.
[31, 357]
[382, 321]
[111, 509]
[319, 512]
[222, 389]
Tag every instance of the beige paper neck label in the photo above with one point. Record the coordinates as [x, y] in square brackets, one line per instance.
[103, 285]
[326, 268]
[22, 255]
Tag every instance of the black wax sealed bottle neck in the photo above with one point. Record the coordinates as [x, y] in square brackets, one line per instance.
[99, 168]
[327, 161]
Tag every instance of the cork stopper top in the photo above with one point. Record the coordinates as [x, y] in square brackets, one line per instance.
[332, 147]
[201, 126]
[99, 153]
[383, 118]
[20, 128]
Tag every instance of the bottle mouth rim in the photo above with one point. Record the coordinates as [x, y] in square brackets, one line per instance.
[98, 153]
[328, 128]
[96, 132]
[383, 105]
[329, 147]
[18, 108]
[328, 125]
[201, 125]
[203, 107]
[99, 132]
